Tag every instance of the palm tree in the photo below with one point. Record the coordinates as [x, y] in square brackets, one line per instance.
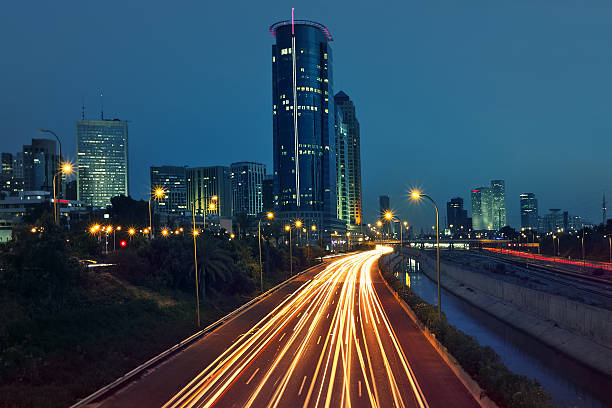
[214, 262]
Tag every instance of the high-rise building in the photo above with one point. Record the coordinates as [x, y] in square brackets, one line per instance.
[529, 211]
[102, 160]
[341, 168]
[456, 215]
[353, 160]
[40, 164]
[173, 180]
[247, 187]
[303, 125]
[206, 183]
[498, 207]
[482, 205]
[268, 193]
[6, 175]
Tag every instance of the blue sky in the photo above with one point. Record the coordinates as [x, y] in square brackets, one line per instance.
[449, 94]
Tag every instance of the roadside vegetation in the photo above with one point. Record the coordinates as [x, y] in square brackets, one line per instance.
[482, 363]
[67, 330]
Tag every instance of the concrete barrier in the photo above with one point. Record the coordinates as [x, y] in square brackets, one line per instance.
[581, 331]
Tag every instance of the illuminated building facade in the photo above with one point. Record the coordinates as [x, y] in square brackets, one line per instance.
[173, 180]
[205, 183]
[481, 209]
[102, 160]
[456, 216]
[303, 126]
[498, 204]
[247, 187]
[529, 211]
[341, 168]
[353, 159]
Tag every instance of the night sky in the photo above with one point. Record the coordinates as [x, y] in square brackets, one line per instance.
[449, 95]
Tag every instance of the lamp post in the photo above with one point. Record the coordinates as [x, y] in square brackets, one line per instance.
[416, 195]
[379, 225]
[610, 242]
[65, 168]
[158, 193]
[288, 229]
[269, 216]
[59, 159]
[195, 233]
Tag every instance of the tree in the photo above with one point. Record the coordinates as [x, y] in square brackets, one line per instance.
[127, 211]
[214, 264]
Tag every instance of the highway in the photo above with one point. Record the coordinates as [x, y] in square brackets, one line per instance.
[338, 339]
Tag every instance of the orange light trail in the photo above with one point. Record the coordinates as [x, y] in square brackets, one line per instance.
[339, 304]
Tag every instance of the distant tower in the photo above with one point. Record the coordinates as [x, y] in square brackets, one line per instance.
[603, 210]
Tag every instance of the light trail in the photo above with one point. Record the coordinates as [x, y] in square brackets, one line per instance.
[328, 344]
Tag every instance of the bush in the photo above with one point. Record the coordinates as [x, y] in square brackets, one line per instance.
[482, 363]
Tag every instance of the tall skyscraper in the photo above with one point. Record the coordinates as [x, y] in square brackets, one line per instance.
[529, 211]
[303, 125]
[498, 208]
[268, 193]
[40, 164]
[173, 179]
[456, 215]
[341, 168]
[247, 187]
[482, 205]
[102, 158]
[353, 160]
[205, 183]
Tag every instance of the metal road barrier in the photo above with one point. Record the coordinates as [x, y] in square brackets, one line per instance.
[179, 346]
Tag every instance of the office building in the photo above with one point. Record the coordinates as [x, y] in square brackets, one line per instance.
[173, 180]
[268, 193]
[247, 187]
[303, 126]
[40, 163]
[102, 160]
[341, 168]
[498, 204]
[529, 211]
[456, 216]
[6, 174]
[353, 160]
[209, 190]
[482, 204]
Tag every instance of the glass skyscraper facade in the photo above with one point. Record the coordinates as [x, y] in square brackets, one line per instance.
[247, 187]
[353, 159]
[173, 179]
[102, 160]
[456, 216]
[481, 209]
[303, 125]
[204, 183]
[341, 168]
[498, 204]
[529, 211]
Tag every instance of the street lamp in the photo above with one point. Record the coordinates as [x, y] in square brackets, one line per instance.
[59, 166]
[65, 168]
[131, 231]
[379, 225]
[195, 233]
[269, 215]
[288, 229]
[417, 195]
[158, 193]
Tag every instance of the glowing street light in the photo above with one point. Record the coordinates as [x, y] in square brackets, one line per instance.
[158, 193]
[416, 195]
[33, 230]
[165, 232]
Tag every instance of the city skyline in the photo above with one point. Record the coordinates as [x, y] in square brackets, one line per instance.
[551, 128]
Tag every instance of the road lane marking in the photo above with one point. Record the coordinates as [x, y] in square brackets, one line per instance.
[319, 340]
[359, 388]
[282, 337]
[251, 377]
[302, 386]
[327, 317]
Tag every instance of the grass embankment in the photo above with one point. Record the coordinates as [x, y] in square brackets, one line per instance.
[482, 363]
[51, 359]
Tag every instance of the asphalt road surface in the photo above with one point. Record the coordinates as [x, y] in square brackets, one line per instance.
[335, 337]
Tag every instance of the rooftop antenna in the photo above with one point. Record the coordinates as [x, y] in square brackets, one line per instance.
[102, 106]
[82, 108]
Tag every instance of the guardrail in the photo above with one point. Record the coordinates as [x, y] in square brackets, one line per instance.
[179, 346]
